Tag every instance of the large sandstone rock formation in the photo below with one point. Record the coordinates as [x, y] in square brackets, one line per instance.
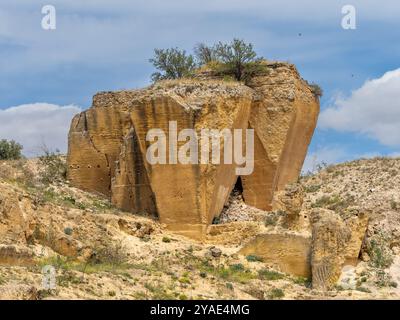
[107, 150]
[107, 144]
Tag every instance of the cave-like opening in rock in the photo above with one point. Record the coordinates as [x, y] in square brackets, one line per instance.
[238, 188]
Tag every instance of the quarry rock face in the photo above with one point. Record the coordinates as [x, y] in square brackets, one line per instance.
[284, 122]
[107, 150]
[108, 147]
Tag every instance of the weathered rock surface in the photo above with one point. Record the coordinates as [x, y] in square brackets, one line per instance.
[284, 122]
[357, 222]
[289, 201]
[33, 220]
[289, 252]
[329, 238]
[107, 150]
[18, 292]
[107, 144]
[15, 255]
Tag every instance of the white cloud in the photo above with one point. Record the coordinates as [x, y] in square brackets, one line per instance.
[372, 110]
[100, 30]
[36, 124]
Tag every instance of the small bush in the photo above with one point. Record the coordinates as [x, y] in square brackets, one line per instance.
[266, 274]
[166, 239]
[114, 255]
[68, 277]
[68, 231]
[183, 296]
[276, 293]
[316, 90]
[172, 64]
[204, 54]
[53, 167]
[229, 285]
[10, 150]
[236, 267]
[270, 220]
[302, 281]
[312, 188]
[235, 273]
[184, 280]
[384, 279]
[380, 253]
[238, 59]
[254, 258]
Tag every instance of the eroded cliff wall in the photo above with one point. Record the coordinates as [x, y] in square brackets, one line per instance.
[107, 144]
[107, 149]
[284, 122]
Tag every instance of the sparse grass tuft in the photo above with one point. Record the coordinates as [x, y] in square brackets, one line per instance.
[271, 220]
[266, 274]
[302, 281]
[384, 279]
[312, 188]
[158, 292]
[335, 202]
[166, 239]
[254, 258]
[275, 293]
[53, 167]
[232, 273]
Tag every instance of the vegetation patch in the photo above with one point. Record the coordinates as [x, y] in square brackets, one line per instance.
[10, 150]
[379, 252]
[232, 273]
[266, 274]
[254, 258]
[236, 60]
[335, 202]
[275, 293]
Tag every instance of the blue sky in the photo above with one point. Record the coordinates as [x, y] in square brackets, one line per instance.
[47, 76]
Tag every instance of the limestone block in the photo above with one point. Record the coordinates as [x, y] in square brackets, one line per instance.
[358, 224]
[329, 238]
[284, 122]
[289, 252]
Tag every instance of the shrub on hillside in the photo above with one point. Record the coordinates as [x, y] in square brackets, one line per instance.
[316, 90]
[53, 167]
[10, 150]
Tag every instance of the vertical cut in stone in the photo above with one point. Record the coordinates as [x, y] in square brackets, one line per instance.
[284, 121]
[186, 197]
